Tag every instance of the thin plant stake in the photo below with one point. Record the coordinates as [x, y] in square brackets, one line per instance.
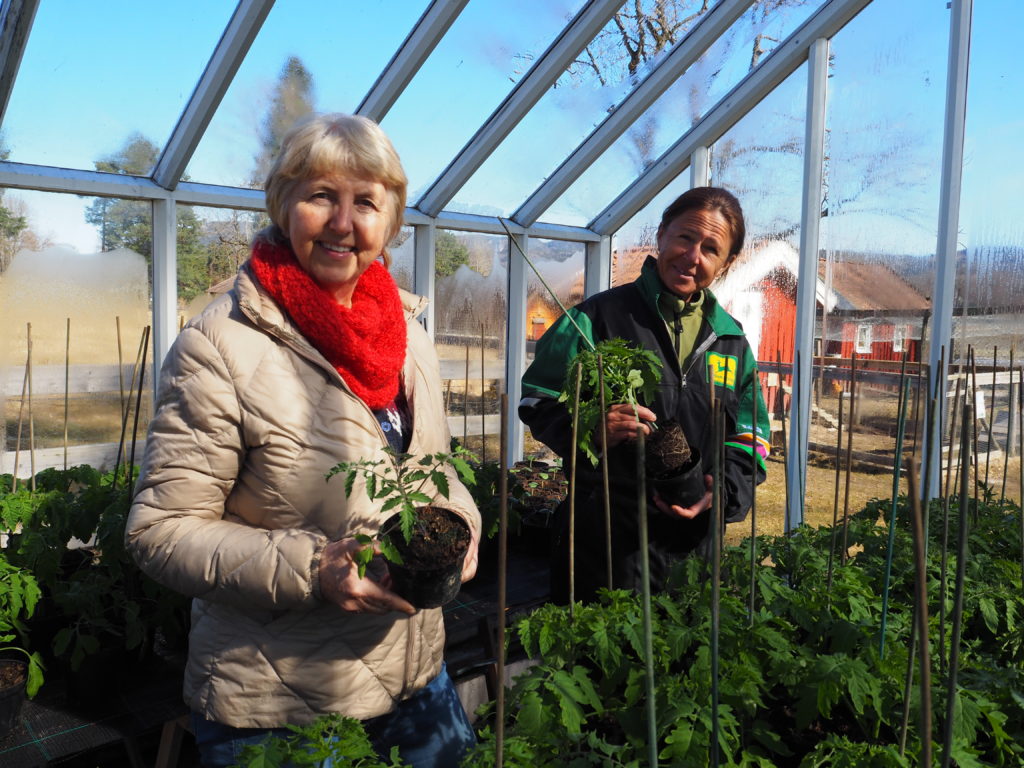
[1020, 454]
[120, 382]
[958, 593]
[67, 386]
[718, 430]
[483, 400]
[753, 498]
[465, 402]
[944, 561]
[572, 490]
[31, 419]
[976, 456]
[926, 501]
[21, 416]
[991, 413]
[844, 549]
[835, 501]
[901, 424]
[604, 473]
[921, 614]
[645, 571]
[138, 407]
[136, 370]
[503, 469]
[1009, 421]
[785, 444]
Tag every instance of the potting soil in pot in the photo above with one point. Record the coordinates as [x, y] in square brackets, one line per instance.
[431, 570]
[673, 467]
[13, 676]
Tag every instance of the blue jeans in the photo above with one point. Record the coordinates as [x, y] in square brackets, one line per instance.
[430, 729]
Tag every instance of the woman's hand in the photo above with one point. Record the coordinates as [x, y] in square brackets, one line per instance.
[340, 583]
[688, 513]
[622, 424]
[469, 564]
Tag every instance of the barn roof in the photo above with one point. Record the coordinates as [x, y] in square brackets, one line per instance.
[865, 286]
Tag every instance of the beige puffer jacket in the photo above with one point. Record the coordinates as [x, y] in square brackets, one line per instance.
[232, 508]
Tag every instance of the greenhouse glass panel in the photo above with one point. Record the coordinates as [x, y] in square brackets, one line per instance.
[86, 314]
[470, 326]
[91, 80]
[729, 59]
[403, 258]
[473, 68]
[989, 294]
[344, 47]
[562, 264]
[212, 244]
[637, 238]
[760, 160]
[877, 238]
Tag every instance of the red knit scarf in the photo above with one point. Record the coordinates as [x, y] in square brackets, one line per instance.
[365, 343]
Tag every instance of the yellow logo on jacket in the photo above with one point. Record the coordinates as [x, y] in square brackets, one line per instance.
[722, 369]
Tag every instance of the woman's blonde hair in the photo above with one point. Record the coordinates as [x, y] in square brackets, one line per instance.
[335, 143]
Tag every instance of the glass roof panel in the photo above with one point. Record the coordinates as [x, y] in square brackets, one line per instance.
[90, 79]
[489, 46]
[729, 59]
[334, 55]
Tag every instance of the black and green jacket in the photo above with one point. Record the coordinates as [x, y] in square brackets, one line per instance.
[631, 312]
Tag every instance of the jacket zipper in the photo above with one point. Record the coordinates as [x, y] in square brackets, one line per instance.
[695, 356]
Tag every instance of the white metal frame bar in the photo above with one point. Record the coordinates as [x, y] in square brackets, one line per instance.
[425, 236]
[419, 44]
[807, 279]
[527, 92]
[700, 167]
[776, 67]
[16, 17]
[949, 222]
[716, 21]
[245, 23]
[515, 343]
[165, 282]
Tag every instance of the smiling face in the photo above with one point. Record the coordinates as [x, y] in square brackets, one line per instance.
[337, 226]
[692, 249]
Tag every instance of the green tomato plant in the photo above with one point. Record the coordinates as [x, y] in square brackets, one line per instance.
[401, 480]
[630, 375]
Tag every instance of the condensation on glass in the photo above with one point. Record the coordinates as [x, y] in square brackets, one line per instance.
[470, 326]
[87, 309]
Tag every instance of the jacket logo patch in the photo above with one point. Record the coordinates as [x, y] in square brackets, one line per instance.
[722, 369]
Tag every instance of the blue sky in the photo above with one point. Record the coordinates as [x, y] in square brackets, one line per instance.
[94, 73]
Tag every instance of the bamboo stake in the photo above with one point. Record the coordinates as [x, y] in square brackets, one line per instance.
[849, 456]
[465, 402]
[908, 681]
[915, 418]
[718, 429]
[976, 459]
[127, 409]
[1009, 421]
[21, 421]
[499, 729]
[483, 399]
[945, 531]
[31, 419]
[921, 616]
[785, 444]
[958, 595]
[67, 385]
[1020, 454]
[991, 413]
[138, 405]
[120, 379]
[835, 501]
[572, 490]
[645, 570]
[753, 496]
[605, 473]
[901, 424]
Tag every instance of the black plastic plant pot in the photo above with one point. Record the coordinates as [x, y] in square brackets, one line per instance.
[431, 574]
[683, 487]
[12, 696]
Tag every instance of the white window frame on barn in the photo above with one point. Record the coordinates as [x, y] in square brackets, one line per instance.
[862, 339]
